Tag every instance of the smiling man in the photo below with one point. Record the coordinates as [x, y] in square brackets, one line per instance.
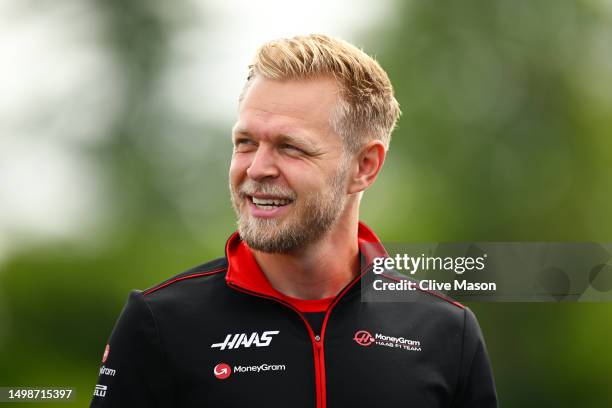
[279, 320]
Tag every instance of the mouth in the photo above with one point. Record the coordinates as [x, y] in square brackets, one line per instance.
[269, 203]
[267, 206]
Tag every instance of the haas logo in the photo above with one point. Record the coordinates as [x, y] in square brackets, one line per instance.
[233, 341]
[222, 371]
[363, 338]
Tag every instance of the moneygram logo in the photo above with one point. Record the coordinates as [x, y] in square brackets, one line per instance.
[363, 338]
[222, 371]
[234, 341]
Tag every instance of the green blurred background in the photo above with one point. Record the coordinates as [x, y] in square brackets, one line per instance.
[114, 148]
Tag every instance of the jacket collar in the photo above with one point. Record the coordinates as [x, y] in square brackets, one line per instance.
[244, 272]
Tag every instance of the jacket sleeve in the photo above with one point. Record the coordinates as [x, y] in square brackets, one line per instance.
[476, 386]
[134, 371]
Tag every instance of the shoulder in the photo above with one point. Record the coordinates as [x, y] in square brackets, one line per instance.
[205, 276]
[426, 294]
[175, 303]
[429, 307]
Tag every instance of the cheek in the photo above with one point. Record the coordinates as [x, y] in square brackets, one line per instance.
[237, 170]
[304, 179]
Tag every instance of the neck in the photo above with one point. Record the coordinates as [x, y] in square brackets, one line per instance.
[319, 270]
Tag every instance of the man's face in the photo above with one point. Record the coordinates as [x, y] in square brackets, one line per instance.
[287, 180]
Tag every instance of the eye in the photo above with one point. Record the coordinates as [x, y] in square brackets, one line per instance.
[243, 145]
[290, 147]
[241, 141]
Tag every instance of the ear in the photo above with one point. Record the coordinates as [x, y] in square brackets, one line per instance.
[366, 166]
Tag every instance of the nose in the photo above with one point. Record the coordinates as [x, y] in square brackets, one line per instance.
[263, 164]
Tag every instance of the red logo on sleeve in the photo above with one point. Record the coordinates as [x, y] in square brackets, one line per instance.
[105, 355]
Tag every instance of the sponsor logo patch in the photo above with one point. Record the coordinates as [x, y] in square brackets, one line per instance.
[105, 355]
[365, 338]
[234, 341]
[222, 370]
[100, 390]
[107, 371]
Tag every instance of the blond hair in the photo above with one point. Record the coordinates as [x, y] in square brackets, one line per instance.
[366, 109]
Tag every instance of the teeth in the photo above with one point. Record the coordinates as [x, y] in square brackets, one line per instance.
[270, 201]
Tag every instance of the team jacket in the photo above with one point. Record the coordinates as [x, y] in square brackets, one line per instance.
[219, 335]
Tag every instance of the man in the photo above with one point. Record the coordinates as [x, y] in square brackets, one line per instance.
[279, 320]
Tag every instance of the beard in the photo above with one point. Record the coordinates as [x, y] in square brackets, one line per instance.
[312, 216]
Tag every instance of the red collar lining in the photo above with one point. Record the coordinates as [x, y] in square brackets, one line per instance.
[243, 270]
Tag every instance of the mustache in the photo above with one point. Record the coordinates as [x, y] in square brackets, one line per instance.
[250, 187]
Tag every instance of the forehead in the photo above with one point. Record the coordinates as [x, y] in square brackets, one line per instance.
[278, 106]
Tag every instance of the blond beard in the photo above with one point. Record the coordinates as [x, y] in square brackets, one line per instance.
[313, 216]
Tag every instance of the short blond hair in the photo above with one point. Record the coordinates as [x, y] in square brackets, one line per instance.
[366, 110]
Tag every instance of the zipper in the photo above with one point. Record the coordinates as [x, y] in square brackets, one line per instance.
[316, 340]
[317, 345]
[322, 401]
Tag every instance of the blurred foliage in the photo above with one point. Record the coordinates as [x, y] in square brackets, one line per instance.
[505, 135]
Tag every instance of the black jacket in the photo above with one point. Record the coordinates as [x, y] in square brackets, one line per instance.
[219, 335]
